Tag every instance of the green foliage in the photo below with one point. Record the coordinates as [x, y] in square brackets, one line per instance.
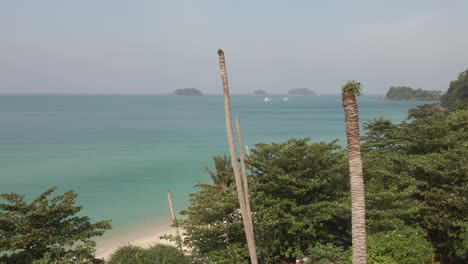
[408, 93]
[67, 257]
[416, 185]
[165, 254]
[425, 112]
[380, 134]
[425, 176]
[456, 96]
[212, 222]
[127, 254]
[220, 52]
[353, 87]
[299, 194]
[328, 253]
[390, 192]
[234, 253]
[434, 132]
[401, 246]
[461, 247]
[46, 230]
[157, 254]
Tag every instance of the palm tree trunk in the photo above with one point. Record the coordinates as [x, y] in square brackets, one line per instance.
[247, 153]
[244, 174]
[240, 193]
[356, 178]
[174, 220]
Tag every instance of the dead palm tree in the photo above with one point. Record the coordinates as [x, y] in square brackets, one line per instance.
[358, 210]
[174, 221]
[240, 193]
[244, 174]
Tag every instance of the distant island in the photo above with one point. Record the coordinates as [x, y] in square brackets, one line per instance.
[187, 92]
[260, 92]
[301, 91]
[408, 93]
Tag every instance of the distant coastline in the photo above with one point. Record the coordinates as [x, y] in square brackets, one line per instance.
[404, 93]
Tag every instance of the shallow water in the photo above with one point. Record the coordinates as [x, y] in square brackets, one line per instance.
[121, 153]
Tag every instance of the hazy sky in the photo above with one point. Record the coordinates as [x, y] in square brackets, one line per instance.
[114, 46]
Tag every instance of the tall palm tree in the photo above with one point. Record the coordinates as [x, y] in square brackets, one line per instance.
[232, 149]
[358, 209]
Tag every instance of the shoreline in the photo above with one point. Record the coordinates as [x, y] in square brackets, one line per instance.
[142, 236]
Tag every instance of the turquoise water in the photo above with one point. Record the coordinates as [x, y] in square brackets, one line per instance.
[121, 153]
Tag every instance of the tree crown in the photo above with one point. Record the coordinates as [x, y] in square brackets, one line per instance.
[353, 87]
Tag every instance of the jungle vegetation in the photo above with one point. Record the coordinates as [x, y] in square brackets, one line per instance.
[415, 174]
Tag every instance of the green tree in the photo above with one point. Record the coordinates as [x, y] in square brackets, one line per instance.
[358, 208]
[421, 181]
[380, 134]
[157, 254]
[47, 228]
[456, 96]
[212, 222]
[300, 194]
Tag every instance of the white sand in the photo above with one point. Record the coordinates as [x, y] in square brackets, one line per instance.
[145, 236]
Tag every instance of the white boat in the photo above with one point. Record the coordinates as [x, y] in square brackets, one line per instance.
[285, 98]
[267, 99]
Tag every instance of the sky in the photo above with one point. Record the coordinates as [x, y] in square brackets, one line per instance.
[151, 46]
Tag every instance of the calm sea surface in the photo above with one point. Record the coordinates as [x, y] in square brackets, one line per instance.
[121, 153]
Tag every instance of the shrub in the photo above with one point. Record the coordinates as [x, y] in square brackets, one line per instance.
[329, 253]
[128, 254]
[157, 254]
[165, 254]
[404, 245]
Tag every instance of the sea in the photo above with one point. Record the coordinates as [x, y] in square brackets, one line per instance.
[121, 153]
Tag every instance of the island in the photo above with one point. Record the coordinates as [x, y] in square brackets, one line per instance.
[301, 91]
[408, 93]
[187, 92]
[260, 93]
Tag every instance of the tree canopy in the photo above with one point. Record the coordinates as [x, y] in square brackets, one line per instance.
[456, 96]
[415, 176]
[47, 230]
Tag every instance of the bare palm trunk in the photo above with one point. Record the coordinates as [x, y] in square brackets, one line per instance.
[247, 152]
[355, 170]
[240, 193]
[174, 220]
[244, 174]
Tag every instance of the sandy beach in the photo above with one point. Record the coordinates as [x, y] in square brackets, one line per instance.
[144, 236]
